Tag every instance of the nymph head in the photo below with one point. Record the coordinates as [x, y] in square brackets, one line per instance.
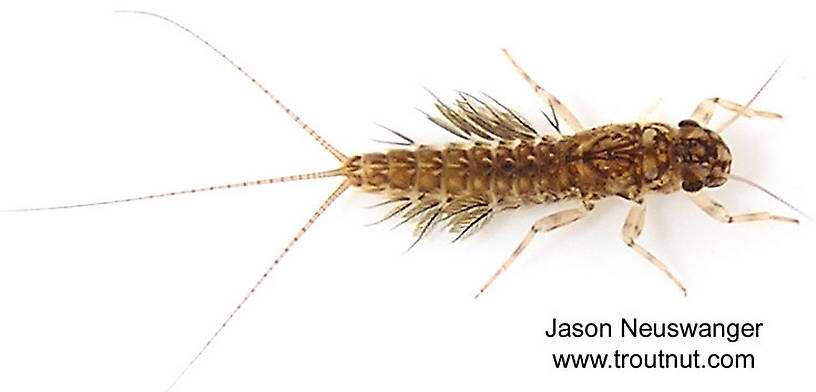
[704, 159]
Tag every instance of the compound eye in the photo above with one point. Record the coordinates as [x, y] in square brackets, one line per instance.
[692, 186]
[688, 123]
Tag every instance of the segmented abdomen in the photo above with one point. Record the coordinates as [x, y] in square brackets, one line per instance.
[526, 170]
[605, 161]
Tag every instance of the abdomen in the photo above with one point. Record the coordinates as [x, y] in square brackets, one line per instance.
[595, 163]
[526, 171]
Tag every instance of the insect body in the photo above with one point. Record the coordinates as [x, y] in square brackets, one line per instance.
[467, 184]
[503, 163]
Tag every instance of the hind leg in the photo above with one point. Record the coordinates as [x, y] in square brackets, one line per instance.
[543, 225]
[551, 100]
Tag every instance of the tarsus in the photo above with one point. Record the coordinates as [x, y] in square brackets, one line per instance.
[769, 193]
[747, 105]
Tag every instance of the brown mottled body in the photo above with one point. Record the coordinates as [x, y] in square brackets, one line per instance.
[626, 160]
[504, 163]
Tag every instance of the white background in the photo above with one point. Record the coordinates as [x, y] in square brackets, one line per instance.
[96, 105]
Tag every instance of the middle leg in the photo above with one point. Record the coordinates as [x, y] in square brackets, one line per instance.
[649, 111]
[551, 100]
[632, 228]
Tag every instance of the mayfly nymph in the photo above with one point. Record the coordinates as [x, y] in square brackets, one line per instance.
[501, 163]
